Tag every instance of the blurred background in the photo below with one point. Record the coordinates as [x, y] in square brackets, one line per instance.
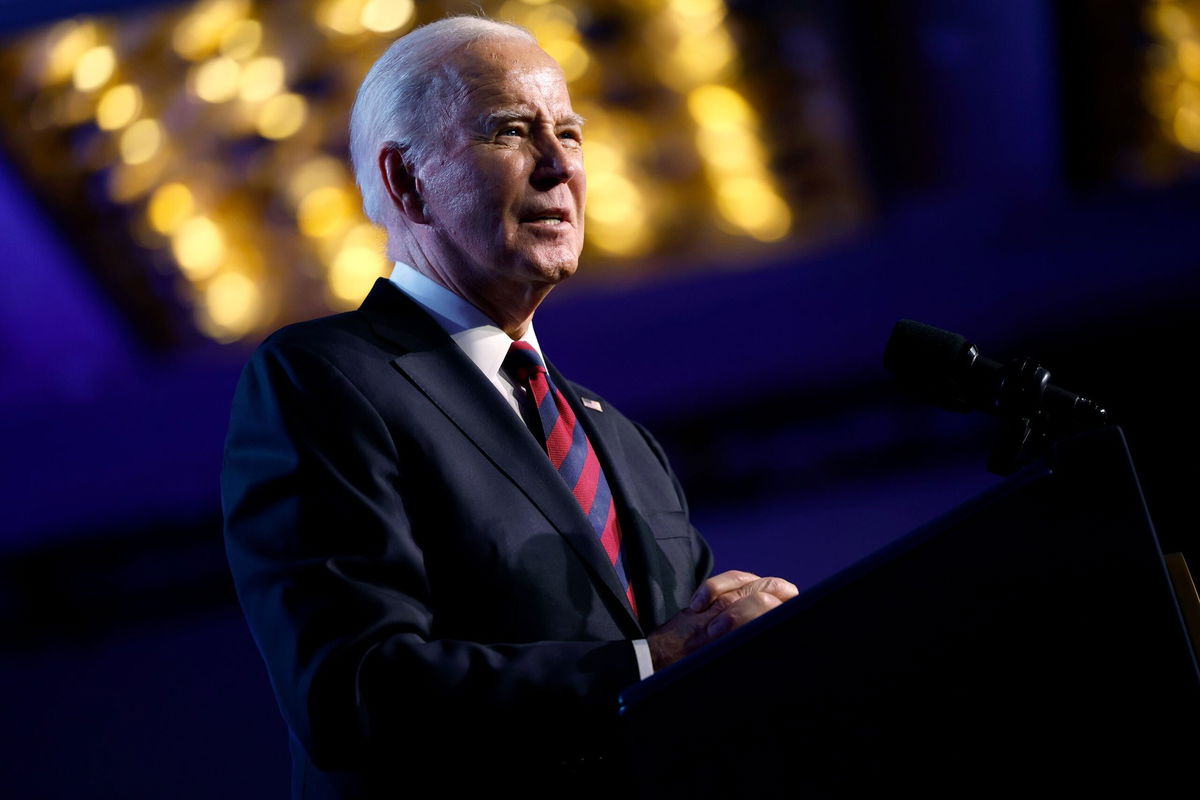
[771, 186]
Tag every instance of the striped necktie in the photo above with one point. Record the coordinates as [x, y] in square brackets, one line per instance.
[571, 454]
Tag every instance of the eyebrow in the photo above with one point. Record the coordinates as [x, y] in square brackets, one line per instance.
[505, 115]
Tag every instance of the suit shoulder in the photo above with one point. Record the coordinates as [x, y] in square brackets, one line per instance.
[312, 333]
[335, 338]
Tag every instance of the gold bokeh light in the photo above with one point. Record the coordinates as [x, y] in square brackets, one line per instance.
[703, 14]
[118, 107]
[1171, 20]
[1187, 128]
[353, 271]
[241, 39]
[731, 151]
[751, 204]
[615, 214]
[128, 182]
[199, 34]
[1189, 58]
[217, 79]
[342, 17]
[326, 211]
[199, 247]
[386, 16]
[261, 78]
[231, 306]
[570, 55]
[314, 174]
[66, 42]
[141, 141]
[94, 68]
[170, 206]
[282, 116]
[1172, 84]
[717, 106]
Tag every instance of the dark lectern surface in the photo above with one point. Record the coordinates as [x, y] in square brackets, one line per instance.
[1028, 642]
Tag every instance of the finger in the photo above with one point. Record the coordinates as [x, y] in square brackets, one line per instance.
[741, 612]
[777, 587]
[784, 590]
[718, 585]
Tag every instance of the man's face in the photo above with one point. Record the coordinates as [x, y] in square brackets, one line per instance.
[504, 190]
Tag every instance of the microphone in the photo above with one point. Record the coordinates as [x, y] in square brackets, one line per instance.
[945, 369]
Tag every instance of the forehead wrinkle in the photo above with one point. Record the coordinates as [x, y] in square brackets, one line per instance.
[515, 113]
[523, 113]
[481, 78]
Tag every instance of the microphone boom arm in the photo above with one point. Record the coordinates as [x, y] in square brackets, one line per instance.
[945, 369]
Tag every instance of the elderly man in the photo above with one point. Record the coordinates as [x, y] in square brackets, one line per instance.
[452, 558]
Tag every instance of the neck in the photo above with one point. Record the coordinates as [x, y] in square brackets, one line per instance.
[509, 304]
[511, 307]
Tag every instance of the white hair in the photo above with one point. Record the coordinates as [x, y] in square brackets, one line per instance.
[398, 98]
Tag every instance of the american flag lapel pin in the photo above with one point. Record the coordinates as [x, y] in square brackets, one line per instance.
[594, 405]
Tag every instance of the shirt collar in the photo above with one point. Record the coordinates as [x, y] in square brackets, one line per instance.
[473, 331]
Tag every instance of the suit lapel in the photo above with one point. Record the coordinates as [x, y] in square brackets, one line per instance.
[606, 441]
[444, 374]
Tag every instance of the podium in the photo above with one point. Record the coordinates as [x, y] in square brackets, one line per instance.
[1027, 643]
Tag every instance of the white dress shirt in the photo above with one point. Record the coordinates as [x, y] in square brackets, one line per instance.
[486, 345]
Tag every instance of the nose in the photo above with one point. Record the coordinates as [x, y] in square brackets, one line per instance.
[553, 163]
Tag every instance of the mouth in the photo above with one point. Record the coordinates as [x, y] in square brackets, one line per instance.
[549, 217]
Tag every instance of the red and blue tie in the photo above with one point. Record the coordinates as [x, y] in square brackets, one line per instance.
[571, 454]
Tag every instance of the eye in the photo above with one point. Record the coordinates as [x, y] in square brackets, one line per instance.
[571, 136]
[510, 130]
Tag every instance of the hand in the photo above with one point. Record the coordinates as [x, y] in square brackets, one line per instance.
[722, 603]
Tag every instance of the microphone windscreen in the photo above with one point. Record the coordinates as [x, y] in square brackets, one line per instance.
[918, 351]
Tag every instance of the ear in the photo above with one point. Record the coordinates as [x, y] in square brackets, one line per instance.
[400, 182]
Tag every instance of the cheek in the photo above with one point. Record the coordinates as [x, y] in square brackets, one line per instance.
[493, 197]
[445, 199]
[465, 210]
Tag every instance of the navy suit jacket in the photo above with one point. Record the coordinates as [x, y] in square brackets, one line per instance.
[426, 593]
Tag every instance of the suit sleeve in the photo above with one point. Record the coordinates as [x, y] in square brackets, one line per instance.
[332, 583]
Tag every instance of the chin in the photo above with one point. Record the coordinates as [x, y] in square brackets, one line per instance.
[553, 271]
